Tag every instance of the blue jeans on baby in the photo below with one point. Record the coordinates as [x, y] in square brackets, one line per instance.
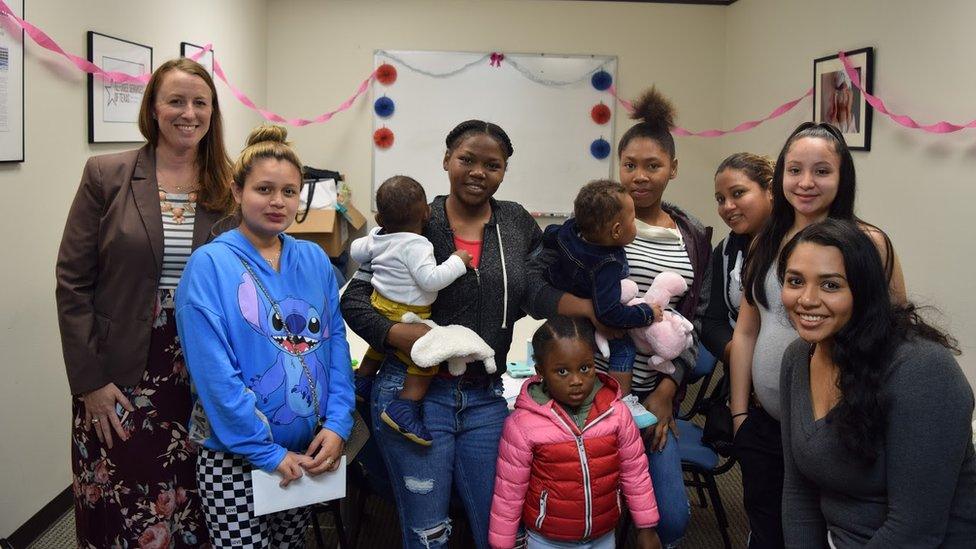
[465, 415]
[535, 540]
[623, 352]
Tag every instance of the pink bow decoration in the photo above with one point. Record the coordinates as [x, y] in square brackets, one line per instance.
[496, 59]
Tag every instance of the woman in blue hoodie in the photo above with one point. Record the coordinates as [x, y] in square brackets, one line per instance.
[265, 345]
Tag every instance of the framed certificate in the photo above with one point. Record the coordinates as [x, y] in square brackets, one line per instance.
[12, 87]
[113, 107]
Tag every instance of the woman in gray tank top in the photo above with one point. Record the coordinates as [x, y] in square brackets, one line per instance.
[814, 180]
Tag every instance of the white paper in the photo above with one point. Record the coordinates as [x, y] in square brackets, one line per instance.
[325, 195]
[511, 389]
[269, 497]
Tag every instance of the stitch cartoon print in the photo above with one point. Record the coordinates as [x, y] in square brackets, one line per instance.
[299, 333]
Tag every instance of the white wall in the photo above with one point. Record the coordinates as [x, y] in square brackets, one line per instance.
[319, 51]
[34, 401]
[918, 187]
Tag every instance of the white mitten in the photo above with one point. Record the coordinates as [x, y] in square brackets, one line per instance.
[458, 345]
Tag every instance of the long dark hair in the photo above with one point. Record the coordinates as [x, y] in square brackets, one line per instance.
[767, 243]
[863, 348]
[756, 167]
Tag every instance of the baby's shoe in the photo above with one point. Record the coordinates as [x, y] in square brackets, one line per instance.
[404, 417]
[642, 417]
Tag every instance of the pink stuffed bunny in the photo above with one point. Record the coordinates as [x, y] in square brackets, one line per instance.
[663, 340]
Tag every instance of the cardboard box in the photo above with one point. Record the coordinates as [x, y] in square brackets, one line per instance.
[329, 228]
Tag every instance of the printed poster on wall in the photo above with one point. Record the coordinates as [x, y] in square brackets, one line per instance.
[12, 86]
[113, 107]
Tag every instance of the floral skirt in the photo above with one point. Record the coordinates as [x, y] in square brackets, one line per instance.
[142, 492]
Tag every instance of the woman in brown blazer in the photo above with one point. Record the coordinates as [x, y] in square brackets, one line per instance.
[133, 223]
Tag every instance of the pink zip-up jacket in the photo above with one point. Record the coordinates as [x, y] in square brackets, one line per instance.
[564, 482]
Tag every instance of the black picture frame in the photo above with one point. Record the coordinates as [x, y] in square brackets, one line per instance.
[113, 108]
[187, 49]
[13, 74]
[836, 101]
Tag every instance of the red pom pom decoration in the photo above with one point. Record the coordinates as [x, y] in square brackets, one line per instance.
[383, 138]
[600, 113]
[386, 74]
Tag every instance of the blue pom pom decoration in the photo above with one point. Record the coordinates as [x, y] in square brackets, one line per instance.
[600, 148]
[601, 80]
[384, 107]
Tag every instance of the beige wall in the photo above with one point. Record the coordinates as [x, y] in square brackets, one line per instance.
[34, 403]
[303, 57]
[918, 187]
[319, 51]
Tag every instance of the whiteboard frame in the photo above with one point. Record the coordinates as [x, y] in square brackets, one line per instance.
[379, 53]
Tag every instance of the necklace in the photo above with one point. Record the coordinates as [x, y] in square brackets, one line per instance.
[273, 260]
[179, 210]
[177, 188]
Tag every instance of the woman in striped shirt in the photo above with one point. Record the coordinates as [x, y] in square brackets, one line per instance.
[135, 219]
[668, 239]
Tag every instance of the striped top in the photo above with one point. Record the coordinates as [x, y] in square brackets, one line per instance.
[655, 250]
[179, 211]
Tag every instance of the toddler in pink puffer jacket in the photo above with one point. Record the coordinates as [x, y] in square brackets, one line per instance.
[570, 452]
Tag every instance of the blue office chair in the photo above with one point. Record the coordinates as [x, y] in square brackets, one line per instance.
[700, 461]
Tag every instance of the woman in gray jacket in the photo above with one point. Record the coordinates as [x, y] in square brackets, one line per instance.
[464, 414]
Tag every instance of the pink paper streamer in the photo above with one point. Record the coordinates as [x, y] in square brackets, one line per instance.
[744, 126]
[46, 42]
[269, 115]
[904, 120]
[84, 65]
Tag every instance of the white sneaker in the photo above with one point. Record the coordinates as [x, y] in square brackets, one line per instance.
[642, 417]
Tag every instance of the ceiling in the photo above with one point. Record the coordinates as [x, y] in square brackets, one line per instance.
[705, 2]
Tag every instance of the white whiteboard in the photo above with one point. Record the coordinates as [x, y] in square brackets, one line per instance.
[542, 101]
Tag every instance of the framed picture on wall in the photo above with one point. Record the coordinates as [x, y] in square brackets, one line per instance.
[113, 107]
[187, 49]
[12, 87]
[838, 102]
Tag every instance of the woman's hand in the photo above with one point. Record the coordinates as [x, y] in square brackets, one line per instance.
[606, 331]
[100, 412]
[647, 539]
[291, 467]
[403, 335]
[661, 403]
[570, 305]
[324, 452]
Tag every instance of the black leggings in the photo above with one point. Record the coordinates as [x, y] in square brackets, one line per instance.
[759, 449]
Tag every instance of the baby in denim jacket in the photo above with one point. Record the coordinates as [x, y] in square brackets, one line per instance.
[591, 264]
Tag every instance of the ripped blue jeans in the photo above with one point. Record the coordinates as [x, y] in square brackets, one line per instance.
[465, 417]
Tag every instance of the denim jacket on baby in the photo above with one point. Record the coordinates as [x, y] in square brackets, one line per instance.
[594, 272]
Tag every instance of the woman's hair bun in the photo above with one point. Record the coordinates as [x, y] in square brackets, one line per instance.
[654, 109]
[267, 133]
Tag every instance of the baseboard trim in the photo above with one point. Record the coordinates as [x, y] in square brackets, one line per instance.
[41, 521]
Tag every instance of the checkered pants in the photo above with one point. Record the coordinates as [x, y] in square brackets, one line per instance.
[224, 482]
